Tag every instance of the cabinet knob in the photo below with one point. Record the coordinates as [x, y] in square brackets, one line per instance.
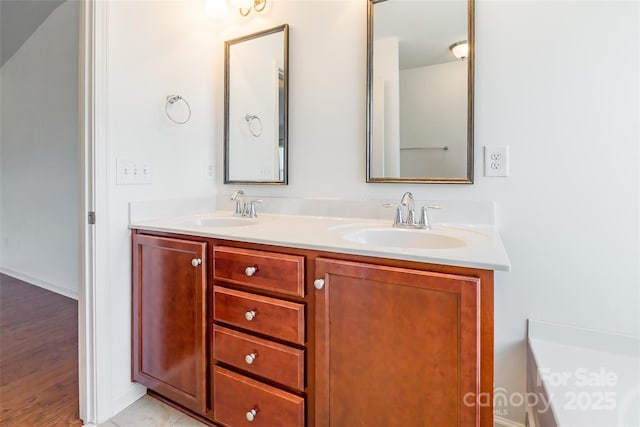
[250, 271]
[249, 358]
[250, 315]
[251, 415]
[196, 262]
[318, 283]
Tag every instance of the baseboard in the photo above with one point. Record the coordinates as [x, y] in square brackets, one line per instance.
[121, 403]
[503, 422]
[40, 283]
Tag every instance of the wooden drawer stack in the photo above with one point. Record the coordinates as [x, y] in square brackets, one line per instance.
[258, 338]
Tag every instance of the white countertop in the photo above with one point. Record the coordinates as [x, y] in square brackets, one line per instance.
[483, 247]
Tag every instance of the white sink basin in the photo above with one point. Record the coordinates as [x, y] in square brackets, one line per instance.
[404, 238]
[230, 221]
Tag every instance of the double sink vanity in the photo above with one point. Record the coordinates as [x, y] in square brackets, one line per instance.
[305, 320]
[331, 312]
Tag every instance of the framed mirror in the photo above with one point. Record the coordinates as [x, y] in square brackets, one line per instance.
[420, 91]
[256, 82]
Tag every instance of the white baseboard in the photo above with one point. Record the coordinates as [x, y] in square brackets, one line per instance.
[503, 422]
[121, 403]
[40, 283]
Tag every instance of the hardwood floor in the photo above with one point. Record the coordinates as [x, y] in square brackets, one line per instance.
[38, 356]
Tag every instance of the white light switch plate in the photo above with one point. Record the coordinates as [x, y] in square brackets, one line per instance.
[133, 172]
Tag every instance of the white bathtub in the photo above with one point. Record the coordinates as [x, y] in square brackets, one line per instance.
[582, 378]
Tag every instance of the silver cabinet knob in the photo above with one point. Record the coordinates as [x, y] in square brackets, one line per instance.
[249, 358]
[318, 283]
[250, 315]
[250, 271]
[196, 262]
[251, 415]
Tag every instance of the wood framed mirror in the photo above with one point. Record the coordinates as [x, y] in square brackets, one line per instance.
[419, 94]
[256, 84]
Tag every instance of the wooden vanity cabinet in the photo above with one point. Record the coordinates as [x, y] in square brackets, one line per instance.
[397, 347]
[169, 319]
[259, 338]
[310, 338]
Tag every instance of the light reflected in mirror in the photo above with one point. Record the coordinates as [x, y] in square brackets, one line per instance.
[256, 86]
[419, 94]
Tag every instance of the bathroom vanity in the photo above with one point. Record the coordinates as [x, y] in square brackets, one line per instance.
[282, 322]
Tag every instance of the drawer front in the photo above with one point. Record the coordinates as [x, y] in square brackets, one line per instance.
[262, 270]
[236, 396]
[269, 316]
[276, 362]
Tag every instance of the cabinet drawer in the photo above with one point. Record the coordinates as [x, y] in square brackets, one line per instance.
[234, 396]
[276, 362]
[269, 316]
[262, 270]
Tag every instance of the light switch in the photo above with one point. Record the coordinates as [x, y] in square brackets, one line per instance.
[133, 172]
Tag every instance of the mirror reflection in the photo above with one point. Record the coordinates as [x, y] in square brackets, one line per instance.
[256, 84]
[420, 91]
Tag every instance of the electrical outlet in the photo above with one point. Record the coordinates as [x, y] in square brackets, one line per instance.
[496, 161]
[209, 170]
[265, 172]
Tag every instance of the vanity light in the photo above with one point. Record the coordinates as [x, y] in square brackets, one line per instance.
[460, 49]
[245, 6]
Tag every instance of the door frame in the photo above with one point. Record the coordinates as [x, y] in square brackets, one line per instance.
[93, 301]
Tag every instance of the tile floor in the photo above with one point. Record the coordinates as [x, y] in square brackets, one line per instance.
[149, 412]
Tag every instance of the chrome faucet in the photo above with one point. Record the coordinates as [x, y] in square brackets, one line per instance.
[407, 200]
[243, 207]
[409, 221]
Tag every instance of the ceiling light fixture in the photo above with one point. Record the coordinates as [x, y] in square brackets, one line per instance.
[245, 6]
[460, 49]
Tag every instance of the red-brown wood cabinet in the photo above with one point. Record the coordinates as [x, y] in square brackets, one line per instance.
[169, 318]
[260, 335]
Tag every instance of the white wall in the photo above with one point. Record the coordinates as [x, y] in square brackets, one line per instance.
[155, 49]
[568, 213]
[433, 114]
[385, 111]
[40, 167]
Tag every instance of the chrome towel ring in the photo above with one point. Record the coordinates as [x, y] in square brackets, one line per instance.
[252, 122]
[172, 99]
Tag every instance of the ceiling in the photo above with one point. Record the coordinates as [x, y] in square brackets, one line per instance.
[18, 20]
[424, 28]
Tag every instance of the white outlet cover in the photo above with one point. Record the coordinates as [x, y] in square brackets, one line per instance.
[496, 161]
[209, 170]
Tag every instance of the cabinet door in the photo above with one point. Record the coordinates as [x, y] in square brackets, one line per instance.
[169, 318]
[395, 347]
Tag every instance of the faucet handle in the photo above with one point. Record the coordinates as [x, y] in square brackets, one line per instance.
[252, 209]
[239, 209]
[238, 194]
[424, 221]
[238, 197]
[398, 220]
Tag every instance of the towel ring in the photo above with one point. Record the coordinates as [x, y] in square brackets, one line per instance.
[172, 99]
[250, 119]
